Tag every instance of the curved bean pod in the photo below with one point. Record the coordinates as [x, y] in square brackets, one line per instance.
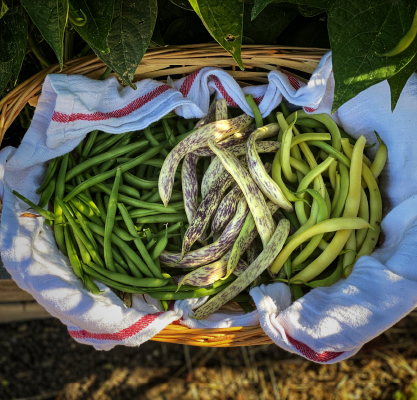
[213, 251]
[190, 185]
[380, 157]
[261, 177]
[217, 130]
[262, 262]
[254, 197]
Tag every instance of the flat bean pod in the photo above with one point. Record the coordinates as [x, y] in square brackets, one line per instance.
[254, 197]
[262, 262]
[216, 130]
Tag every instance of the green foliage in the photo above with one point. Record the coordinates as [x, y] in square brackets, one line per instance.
[13, 32]
[50, 17]
[99, 15]
[129, 37]
[224, 20]
[120, 31]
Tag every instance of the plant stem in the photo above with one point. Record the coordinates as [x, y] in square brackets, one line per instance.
[37, 52]
[84, 50]
[105, 74]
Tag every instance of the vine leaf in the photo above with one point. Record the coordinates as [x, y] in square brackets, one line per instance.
[359, 31]
[50, 17]
[99, 15]
[224, 20]
[13, 33]
[129, 37]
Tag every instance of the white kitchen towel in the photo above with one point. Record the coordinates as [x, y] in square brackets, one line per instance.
[327, 325]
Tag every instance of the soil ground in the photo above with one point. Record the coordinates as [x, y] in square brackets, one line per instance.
[39, 360]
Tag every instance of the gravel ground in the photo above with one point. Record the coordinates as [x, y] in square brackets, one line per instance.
[39, 360]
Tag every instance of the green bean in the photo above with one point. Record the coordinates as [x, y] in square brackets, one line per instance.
[138, 213]
[115, 285]
[292, 217]
[139, 182]
[116, 253]
[364, 214]
[108, 226]
[284, 109]
[86, 210]
[78, 232]
[72, 254]
[79, 148]
[89, 144]
[124, 249]
[47, 193]
[184, 295]
[59, 192]
[180, 127]
[159, 247]
[50, 173]
[255, 111]
[150, 244]
[109, 155]
[128, 280]
[153, 141]
[123, 189]
[168, 230]
[163, 218]
[106, 165]
[136, 202]
[168, 133]
[83, 225]
[138, 242]
[85, 199]
[109, 174]
[44, 213]
[90, 285]
[112, 141]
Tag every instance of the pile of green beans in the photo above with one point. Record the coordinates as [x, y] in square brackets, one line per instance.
[108, 216]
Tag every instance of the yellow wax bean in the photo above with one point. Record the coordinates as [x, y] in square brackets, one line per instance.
[351, 210]
[330, 225]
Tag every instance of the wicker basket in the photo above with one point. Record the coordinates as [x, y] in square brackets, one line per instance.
[174, 61]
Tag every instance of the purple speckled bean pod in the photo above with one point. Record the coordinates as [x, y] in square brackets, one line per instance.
[205, 212]
[252, 254]
[215, 131]
[190, 185]
[246, 236]
[214, 251]
[226, 210]
[216, 167]
[210, 117]
[221, 110]
[263, 261]
[261, 214]
[237, 138]
[208, 274]
[260, 176]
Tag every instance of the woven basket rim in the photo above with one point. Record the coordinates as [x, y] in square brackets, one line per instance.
[180, 59]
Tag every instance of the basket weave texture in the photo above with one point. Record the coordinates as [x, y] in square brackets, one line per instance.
[176, 61]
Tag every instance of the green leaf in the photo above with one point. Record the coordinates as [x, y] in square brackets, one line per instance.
[3, 9]
[307, 11]
[50, 17]
[182, 4]
[398, 81]
[187, 30]
[13, 33]
[99, 15]
[129, 37]
[269, 24]
[224, 20]
[323, 5]
[359, 31]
